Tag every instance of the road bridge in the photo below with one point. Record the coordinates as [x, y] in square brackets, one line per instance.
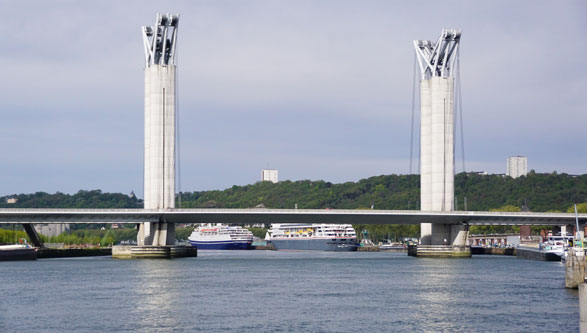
[254, 215]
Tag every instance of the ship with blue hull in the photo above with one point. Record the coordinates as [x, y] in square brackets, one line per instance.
[221, 237]
[313, 237]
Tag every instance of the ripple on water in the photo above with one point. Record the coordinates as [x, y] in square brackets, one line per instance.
[286, 291]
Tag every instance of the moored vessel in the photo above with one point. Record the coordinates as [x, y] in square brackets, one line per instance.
[17, 252]
[312, 236]
[392, 247]
[221, 237]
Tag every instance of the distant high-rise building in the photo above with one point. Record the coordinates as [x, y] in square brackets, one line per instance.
[269, 175]
[517, 166]
[53, 229]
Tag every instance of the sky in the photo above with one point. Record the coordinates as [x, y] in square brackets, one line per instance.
[319, 90]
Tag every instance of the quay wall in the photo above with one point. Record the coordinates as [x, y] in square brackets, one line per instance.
[45, 253]
[500, 251]
[439, 251]
[368, 248]
[574, 270]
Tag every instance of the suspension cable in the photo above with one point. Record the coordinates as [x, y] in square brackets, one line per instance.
[460, 100]
[412, 129]
[413, 112]
[177, 131]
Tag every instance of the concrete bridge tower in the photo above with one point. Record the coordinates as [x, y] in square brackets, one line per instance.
[437, 68]
[159, 173]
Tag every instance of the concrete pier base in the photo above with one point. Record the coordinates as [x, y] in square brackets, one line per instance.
[440, 251]
[583, 308]
[575, 269]
[149, 252]
[153, 252]
[183, 251]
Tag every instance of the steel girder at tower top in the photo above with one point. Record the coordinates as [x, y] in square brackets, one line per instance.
[438, 59]
[159, 41]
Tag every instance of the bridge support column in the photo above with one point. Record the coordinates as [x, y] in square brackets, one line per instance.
[156, 234]
[437, 103]
[459, 234]
[160, 128]
[444, 241]
[33, 235]
[445, 234]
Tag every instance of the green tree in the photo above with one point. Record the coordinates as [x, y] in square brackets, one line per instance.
[581, 208]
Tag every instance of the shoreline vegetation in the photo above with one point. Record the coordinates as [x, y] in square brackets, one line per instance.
[537, 192]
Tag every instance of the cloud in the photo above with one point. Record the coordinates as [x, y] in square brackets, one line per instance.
[318, 89]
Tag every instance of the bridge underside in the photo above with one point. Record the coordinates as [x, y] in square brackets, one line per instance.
[248, 216]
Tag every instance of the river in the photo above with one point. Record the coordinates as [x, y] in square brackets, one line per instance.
[277, 291]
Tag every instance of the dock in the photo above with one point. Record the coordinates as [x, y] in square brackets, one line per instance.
[500, 251]
[575, 268]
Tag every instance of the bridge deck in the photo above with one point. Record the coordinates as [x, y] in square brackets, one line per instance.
[247, 216]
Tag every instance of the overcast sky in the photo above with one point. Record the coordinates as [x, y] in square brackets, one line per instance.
[315, 89]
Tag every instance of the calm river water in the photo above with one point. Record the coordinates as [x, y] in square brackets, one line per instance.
[274, 291]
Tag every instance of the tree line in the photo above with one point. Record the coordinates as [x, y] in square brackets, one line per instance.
[539, 192]
[536, 192]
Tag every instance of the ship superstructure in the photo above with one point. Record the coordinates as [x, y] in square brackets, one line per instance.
[313, 236]
[221, 237]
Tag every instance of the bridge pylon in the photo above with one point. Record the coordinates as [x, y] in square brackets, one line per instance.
[437, 104]
[157, 239]
[160, 126]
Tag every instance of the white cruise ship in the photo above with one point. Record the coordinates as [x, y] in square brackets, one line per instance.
[221, 237]
[312, 236]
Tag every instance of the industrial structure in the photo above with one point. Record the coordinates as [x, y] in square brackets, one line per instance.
[517, 166]
[160, 125]
[269, 175]
[437, 62]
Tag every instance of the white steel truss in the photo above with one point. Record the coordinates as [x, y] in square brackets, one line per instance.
[159, 41]
[438, 59]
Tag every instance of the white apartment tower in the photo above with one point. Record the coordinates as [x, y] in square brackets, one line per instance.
[517, 166]
[269, 175]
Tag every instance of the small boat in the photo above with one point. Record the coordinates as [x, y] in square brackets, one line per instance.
[540, 251]
[392, 246]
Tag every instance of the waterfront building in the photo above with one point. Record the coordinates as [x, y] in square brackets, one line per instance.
[517, 166]
[269, 175]
[51, 229]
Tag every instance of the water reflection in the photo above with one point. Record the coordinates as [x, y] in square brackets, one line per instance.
[276, 291]
[155, 290]
[438, 291]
